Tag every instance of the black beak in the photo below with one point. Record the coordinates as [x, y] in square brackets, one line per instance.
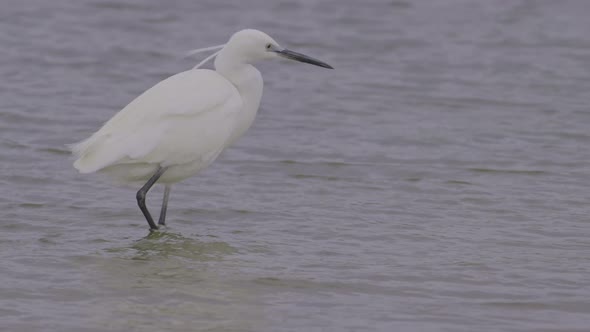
[285, 53]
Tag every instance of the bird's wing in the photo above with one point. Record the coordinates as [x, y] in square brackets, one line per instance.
[160, 125]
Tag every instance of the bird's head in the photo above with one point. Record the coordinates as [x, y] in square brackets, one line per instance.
[249, 46]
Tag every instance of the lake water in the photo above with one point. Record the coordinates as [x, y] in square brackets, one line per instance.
[437, 180]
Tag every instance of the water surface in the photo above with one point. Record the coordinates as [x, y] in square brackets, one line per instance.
[437, 180]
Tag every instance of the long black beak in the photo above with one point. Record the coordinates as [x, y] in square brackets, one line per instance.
[285, 53]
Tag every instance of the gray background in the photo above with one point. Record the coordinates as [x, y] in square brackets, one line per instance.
[437, 180]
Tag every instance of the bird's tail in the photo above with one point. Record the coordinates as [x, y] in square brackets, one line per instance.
[84, 152]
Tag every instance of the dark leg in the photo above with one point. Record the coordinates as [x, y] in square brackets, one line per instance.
[143, 192]
[162, 220]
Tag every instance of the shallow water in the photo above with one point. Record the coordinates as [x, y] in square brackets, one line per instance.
[437, 180]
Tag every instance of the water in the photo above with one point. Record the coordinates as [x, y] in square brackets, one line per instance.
[437, 180]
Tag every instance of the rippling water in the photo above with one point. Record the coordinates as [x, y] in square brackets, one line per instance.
[437, 180]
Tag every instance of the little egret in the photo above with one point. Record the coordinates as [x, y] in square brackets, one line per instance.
[179, 126]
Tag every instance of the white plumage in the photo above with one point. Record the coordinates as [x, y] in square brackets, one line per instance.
[175, 123]
[180, 125]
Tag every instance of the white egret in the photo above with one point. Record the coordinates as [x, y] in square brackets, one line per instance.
[179, 126]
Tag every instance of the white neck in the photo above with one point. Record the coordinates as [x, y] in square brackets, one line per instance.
[248, 81]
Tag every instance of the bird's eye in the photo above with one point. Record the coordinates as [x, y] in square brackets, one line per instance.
[268, 46]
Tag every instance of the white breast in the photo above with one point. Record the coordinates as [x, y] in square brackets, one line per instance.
[249, 84]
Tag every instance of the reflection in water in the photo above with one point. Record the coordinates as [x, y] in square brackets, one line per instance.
[165, 244]
[159, 257]
[173, 277]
